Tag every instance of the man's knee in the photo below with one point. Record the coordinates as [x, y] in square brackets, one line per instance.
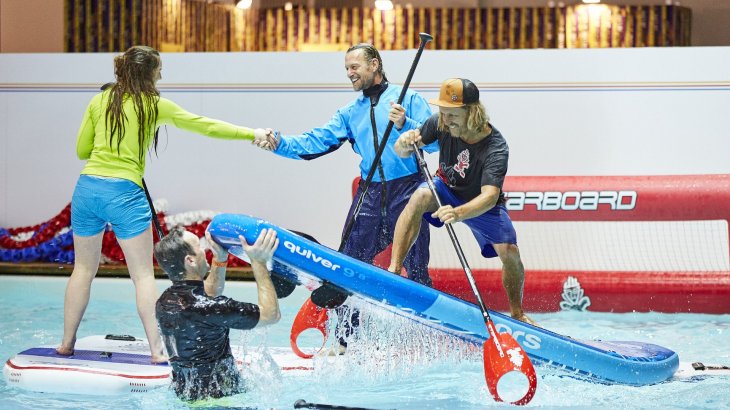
[421, 201]
[509, 253]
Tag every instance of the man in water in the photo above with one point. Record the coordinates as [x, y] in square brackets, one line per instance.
[195, 319]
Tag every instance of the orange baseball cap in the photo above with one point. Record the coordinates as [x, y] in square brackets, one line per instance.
[456, 92]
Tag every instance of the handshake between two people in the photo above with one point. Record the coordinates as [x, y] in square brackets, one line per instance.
[266, 138]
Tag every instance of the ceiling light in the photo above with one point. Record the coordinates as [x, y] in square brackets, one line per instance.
[288, 6]
[244, 4]
[591, 1]
[383, 4]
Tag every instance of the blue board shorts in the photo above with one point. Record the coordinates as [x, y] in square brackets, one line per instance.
[98, 201]
[491, 227]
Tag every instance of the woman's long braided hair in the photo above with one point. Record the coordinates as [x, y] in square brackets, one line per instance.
[136, 72]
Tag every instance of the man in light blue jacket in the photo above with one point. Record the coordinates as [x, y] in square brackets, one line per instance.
[362, 123]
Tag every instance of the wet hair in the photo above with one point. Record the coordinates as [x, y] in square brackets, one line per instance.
[171, 251]
[477, 118]
[135, 72]
[369, 52]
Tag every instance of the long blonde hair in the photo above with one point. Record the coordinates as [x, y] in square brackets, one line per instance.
[135, 71]
[477, 119]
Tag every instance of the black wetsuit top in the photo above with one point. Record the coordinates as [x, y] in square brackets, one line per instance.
[195, 329]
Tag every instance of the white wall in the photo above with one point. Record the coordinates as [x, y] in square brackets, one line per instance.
[564, 112]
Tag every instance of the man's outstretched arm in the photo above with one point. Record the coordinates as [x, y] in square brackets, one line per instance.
[260, 253]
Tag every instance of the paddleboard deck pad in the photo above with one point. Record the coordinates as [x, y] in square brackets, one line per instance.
[309, 263]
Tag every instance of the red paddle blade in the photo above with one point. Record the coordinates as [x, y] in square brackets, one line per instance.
[502, 355]
[310, 316]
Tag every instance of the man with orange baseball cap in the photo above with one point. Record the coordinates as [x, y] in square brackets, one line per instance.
[473, 158]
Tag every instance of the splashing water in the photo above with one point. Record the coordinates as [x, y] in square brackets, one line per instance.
[388, 346]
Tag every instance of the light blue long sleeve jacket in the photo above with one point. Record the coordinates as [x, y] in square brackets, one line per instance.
[352, 123]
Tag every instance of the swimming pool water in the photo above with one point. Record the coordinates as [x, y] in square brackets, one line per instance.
[32, 315]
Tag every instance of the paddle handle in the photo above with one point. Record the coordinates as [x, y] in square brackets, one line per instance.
[425, 38]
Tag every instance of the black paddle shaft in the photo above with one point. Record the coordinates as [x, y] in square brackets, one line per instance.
[155, 221]
[452, 234]
[425, 38]
[303, 404]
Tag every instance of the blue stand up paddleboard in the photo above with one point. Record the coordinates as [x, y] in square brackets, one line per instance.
[299, 259]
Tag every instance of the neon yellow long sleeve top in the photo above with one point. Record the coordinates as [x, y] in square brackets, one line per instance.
[92, 142]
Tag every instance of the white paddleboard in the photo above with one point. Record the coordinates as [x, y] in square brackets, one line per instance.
[104, 365]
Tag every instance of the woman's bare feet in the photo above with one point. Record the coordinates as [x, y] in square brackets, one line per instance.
[159, 359]
[65, 351]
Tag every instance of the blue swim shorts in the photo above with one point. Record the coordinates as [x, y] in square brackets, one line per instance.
[100, 200]
[491, 227]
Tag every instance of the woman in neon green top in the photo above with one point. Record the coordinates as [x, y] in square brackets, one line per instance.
[119, 126]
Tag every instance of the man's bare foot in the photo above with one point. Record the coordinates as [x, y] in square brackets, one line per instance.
[524, 318]
[402, 272]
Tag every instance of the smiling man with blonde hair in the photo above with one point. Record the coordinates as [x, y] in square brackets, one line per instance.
[473, 159]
